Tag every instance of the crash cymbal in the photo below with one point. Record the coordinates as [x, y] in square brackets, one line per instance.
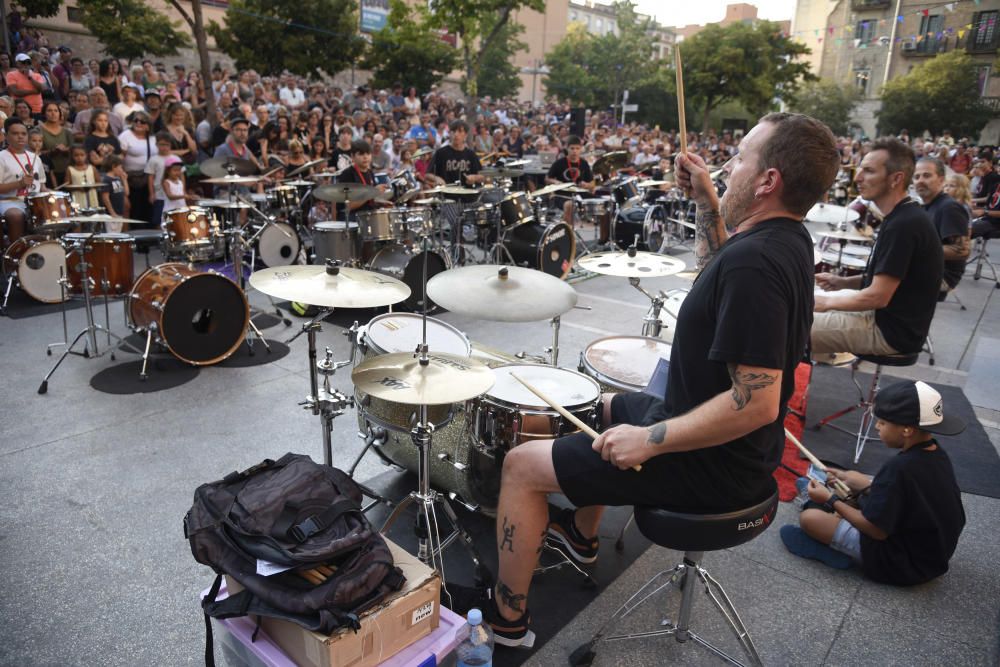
[103, 217]
[576, 190]
[218, 167]
[610, 162]
[631, 264]
[831, 214]
[345, 192]
[227, 205]
[299, 182]
[306, 167]
[322, 174]
[501, 293]
[430, 201]
[401, 378]
[850, 235]
[454, 190]
[320, 286]
[210, 203]
[233, 180]
[80, 186]
[510, 164]
[549, 189]
[652, 184]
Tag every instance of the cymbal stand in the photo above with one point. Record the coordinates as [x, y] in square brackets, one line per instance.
[500, 246]
[90, 331]
[575, 217]
[62, 295]
[237, 251]
[651, 324]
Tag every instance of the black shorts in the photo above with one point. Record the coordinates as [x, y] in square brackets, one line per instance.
[587, 479]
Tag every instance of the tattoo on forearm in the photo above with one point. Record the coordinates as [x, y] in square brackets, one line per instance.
[515, 602]
[706, 236]
[745, 383]
[508, 536]
[657, 434]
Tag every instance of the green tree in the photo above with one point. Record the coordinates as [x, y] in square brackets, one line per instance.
[940, 94]
[408, 49]
[753, 65]
[828, 102]
[131, 29]
[575, 70]
[498, 75]
[37, 8]
[273, 35]
[478, 25]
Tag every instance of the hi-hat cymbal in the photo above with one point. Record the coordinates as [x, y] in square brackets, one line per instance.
[230, 205]
[430, 201]
[103, 217]
[652, 184]
[345, 192]
[455, 190]
[831, 214]
[233, 180]
[549, 189]
[849, 235]
[315, 285]
[218, 167]
[299, 182]
[401, 378]
[631, 264]
[81, 186]
[501, 293]
[306, 167]
[610, 162]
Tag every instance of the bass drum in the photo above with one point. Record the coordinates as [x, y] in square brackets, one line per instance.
[550, 248]
[459, 464]
[200, 317]
[649, 223]
[39, 264]
[278, 245]
[623, 363]
[404, 264]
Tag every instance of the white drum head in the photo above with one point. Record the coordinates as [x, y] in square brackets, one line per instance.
[39, 270]
[335, 226]
[277, 249]
[668, 315]
[565, 387]
[403, 332]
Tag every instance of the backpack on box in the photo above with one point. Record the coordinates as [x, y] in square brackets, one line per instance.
[291, 513]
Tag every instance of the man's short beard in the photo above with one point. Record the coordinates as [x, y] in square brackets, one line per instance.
[736, 203]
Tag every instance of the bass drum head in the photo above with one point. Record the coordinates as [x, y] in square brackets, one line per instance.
[648, 222]
[204, 319]
[402, 264]
[550, 248]
[275, 248]
[39, 269]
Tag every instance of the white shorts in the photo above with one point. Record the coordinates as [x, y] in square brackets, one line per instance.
[8, 204]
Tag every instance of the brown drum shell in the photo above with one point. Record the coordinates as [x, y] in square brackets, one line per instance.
[49, 208]
[200, 317]
[189, 225]
[111, 269]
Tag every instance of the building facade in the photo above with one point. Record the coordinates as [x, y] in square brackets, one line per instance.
[740, 12]
[599, 19]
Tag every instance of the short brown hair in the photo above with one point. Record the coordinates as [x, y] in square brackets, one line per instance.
[900, 157]
[805, 151]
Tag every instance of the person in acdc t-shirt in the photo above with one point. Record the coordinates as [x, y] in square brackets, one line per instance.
[456, 162]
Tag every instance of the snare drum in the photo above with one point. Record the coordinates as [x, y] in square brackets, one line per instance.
[278, 245]
[50, 210]
[404, 264]
[624, 192]
[623, 363]
[509, 413]
[384, 224]
[480, 216]
[595, 207]
[845, 265]
[335, 240]
[39, 263]
[106, 259]
[284, 197]
[200, 317]
[515, 209]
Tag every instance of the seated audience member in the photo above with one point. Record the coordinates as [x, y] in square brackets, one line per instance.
[950, 218]
[910, 515]
[891, 309]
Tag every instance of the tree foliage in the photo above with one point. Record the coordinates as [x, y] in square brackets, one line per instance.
[827, 101]
[478, 25]
[408, 49]
[940, 94]
[498, 75]
[131, 28]
[753, 65]
[305, 37]
[37, 8]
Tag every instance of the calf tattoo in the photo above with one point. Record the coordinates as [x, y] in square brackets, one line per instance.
[508, 536]
[657, 434]
[511, 601]
[745, 383]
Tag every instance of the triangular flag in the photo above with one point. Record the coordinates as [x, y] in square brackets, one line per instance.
[899, 18]
[925, 12]
[961, 34]
[831, 30]
[950, 6]
[820, 40]
[856, 43]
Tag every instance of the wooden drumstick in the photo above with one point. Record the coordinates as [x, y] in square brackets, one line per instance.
[679, 70]
[564, 412]
[839, 485]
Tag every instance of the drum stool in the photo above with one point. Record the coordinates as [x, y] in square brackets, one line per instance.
[983, 257]
[145, 239]
[866, 402]
[693, 534]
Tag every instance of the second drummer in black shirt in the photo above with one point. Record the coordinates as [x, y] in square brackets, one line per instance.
[360, 171]
[571, 168]
[455, 163]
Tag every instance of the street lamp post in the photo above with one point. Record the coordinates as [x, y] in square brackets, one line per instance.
[534, 72]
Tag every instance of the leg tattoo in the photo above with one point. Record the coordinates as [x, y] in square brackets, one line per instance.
[511, 601]
[508, 536]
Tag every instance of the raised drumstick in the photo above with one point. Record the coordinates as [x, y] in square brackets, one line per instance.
[679, 70]
[565, 413]
[839, 485]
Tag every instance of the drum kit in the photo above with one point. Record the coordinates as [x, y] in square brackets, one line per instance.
[844, 248]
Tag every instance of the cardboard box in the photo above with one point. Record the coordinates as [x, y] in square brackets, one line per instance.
[405, 617]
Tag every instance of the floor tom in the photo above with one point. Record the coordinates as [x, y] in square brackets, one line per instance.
[623, 363]
[336, 240]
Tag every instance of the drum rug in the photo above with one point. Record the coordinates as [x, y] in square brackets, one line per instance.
[20, 306]
[793, 424]
[242, 358]
[164, 373]
[556, 595]
[975, 459]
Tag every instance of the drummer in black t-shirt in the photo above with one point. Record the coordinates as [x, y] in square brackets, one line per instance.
[712, 444]
[455, 162]
[360, 171]
[893, 305]
[571, 168]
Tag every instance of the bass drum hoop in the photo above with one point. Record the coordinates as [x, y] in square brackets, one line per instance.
[379, 264]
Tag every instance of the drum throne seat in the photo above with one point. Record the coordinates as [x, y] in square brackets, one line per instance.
[692, 534]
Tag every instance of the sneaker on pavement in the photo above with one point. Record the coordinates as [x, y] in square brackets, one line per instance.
[514, 633]
[800, 544]
[563, 531]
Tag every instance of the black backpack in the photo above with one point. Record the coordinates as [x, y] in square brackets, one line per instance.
[297, 514]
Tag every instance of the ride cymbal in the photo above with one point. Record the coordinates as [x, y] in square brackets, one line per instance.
[330, 287]
[339, 193]
[501, 293]
[218, 167]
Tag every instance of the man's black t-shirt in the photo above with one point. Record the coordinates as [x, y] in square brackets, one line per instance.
[571, 172]
[452, 165]
[988, 187]
[907, 248]
[353, 175]
[752, 305]
[915, 499]
[950, 219]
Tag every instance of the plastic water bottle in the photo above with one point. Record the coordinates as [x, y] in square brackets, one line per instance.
[475, 647]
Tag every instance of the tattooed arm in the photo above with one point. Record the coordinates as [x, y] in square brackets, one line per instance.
[709, 228]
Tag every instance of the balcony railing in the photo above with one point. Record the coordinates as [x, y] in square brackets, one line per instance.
[867, 5]
[976, 45]
[929, 46]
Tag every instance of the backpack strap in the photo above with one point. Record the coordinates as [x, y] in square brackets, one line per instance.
[288, 525]
[209, 639]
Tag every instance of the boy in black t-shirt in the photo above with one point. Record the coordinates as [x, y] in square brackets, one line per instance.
[911, 511]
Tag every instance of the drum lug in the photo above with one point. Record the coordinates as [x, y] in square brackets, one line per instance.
[455, 498]
[444, 457]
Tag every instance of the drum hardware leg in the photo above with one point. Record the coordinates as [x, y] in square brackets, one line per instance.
[620, 542]
[6, 295]
[254, 331]
[62, 294]
[651, 324]
[374, 437]
[44, 386]
[145, 356]
[106, 284]
[554, 350]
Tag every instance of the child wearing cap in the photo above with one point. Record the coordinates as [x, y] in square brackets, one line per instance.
[910, 515]
[175, 194]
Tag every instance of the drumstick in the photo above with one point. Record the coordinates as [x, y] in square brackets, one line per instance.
[680, 98]
[564, 412]
[840, 486]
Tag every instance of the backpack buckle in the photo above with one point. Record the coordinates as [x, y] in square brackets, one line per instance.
[309, 526]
